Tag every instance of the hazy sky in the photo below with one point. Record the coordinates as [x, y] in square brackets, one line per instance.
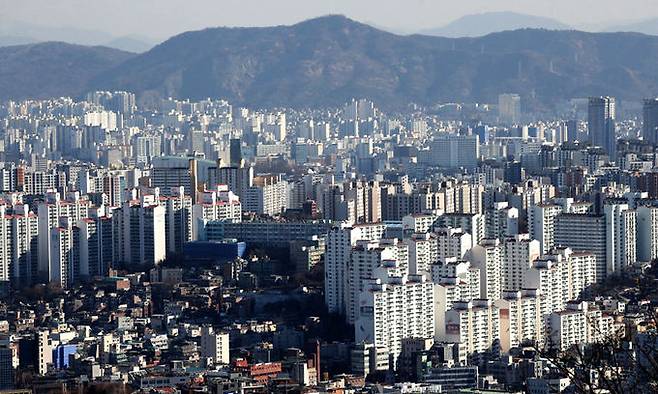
[163, 18]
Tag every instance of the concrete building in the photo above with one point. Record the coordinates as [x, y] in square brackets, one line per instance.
[238, 179]
[560, 277]
[222, 205]
[95, 239]
[509, 108]
[143, 229]
[64, 256]
[650, 121]
[178, 219]
[25, 250]
[455, 281]
[366, 358]
[601, 116]
[647, 233]
[584, 233]
[366, 256]
[214, 346]
[455, 151]
[473, 224]
[418, 223]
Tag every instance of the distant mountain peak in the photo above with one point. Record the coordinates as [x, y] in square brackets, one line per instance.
[476, 25]
[645, 26]
[332, 21]
[329, 18]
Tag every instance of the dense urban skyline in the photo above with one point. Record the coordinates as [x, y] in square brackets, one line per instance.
[325, 207]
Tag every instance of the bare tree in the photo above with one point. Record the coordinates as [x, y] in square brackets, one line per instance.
[620, 362]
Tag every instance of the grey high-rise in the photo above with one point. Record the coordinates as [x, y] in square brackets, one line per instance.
[650, 125]
[572, 130]
[601, 124]
[235, 152]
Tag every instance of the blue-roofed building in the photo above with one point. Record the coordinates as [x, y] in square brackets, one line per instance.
[214, 251]
[61, 355]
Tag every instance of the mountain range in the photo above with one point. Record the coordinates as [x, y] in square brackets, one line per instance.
[328, 60]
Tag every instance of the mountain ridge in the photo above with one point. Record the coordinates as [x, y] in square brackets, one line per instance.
[327, 61]
[52, 69]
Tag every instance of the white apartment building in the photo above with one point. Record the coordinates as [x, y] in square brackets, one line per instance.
[520, 318]
[541, 225]
[367, 200]
[452, 242]
[24, 246]
[621, 245]
[579, 323]
[475, 325]
[453, 268]
[49, 214]
[95, 238]
[520, 252]
[560, 278]
[418, 223]
[448, 291]
[340, 241]
[423, 252]
[366, 256]
[393, 308]
[39, 182]
[44, 351]
[64, 256]
[6, 255]
[215, 205]
[473, 224]
[501, 221]
[267, 196]
[469, 198]
[488, 257]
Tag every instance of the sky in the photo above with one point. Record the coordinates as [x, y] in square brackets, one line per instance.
[164, 18]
